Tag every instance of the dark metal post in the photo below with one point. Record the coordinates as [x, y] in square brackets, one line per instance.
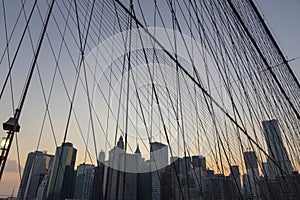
[12, 126]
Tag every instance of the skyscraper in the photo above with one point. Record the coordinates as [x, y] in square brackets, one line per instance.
[220, 187]
[84, 180]
[159, 160]
[100, 173]
[42, 190]
[25, 176]
[235, 174]
[252, 171]
[250, 160]
[199, 171]
[101, 157]
[62, 175]
[265, 169]
[121, 179]
[281, 163]
[36, 167]
[159, 155]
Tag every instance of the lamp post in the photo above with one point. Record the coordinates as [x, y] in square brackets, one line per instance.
[11, 126]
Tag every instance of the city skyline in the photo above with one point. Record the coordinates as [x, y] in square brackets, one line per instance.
[112, 177]
[121, 104]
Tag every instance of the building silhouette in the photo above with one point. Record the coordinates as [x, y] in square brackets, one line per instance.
[113, 188]
[120, 179]
[144, 186]
[281, 164]
[250, 180]
[169, 184]
[25, 177]
[42, 190]
[158, 161]
[62, 175]
[98, 182]
[101, 156]
[184, 178]
[283, 187]
[36, 167]
[84, 181]
[199, 162]
[220, 187]
[236, 176]
[128, 176]
[199, 172]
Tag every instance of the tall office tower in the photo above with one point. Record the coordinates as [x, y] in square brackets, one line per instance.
[37, 165]
[25, 176]
[276, 149]
[131, 164]
[113, 182]
[155, 184]
[159, 159]
[235, 174]
[121, 179]
[265, 169]
[252, 171]
[190, 184]
[62, 175]
[121, 185]
[40, 166]
[100, 177]
[159, 154]
[186, 166]
[144, 188]
[101, 156]
[170, 184]
[98, 181]
[198, 171]
[42, 190]
[115, 154]
[84, 181]
[130, 186]
[246, 185]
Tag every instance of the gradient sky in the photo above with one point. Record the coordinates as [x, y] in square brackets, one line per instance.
[283, 18]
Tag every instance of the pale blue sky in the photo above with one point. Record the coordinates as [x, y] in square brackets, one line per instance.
[283, 18]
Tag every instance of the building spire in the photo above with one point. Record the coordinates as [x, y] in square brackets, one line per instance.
[120, 143]
[137, 150]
